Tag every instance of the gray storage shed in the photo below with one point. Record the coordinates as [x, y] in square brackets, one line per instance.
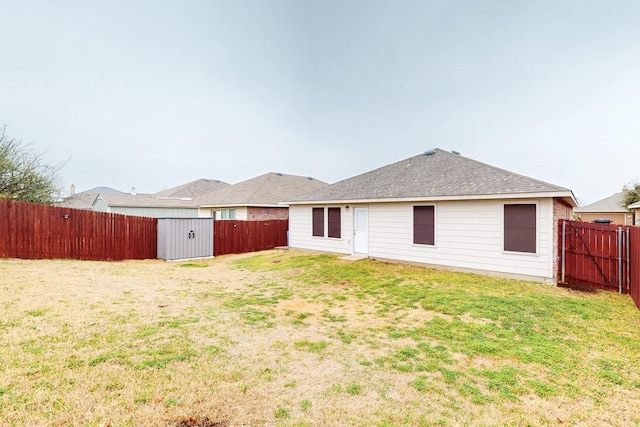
[183, 238]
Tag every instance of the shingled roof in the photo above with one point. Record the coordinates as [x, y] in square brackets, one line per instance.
[434, 174]
[264, 190]
[612, 203]
[193, 189]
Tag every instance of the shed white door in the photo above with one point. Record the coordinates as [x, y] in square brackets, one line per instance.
[361, 231]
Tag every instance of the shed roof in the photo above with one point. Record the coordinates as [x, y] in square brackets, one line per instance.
[264, 190]
[434, 174]
[613, 203]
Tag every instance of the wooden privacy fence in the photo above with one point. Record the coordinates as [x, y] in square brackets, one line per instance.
[29, 230]
[236, 237]
[600, 256]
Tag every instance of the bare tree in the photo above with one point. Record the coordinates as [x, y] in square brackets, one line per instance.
[23, 175]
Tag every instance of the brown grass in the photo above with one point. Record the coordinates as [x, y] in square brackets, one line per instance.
[151, 343]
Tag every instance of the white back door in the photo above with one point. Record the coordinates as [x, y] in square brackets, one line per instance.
[361, 231]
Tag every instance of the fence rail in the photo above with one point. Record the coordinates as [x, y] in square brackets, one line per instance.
[236, 237]
[34, 231]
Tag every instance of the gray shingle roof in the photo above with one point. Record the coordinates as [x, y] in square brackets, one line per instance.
[193, 189]
[101, 190]
[79, 201]
[85, 199]
[440, 174]
[268, 189]
[608, 204]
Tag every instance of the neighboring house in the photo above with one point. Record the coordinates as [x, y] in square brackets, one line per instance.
[439, 209]
[193, 189]
[635, 208]
[146, 205]
[611, 208]
[256, 198]
[85, 199]
[175, 202]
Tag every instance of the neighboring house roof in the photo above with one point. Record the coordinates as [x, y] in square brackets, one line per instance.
[436, 174]
[264, 190]
[612, 203]
[193, 189]
[79, 201]
[145, 201]
[85, 199]
[635, 205]
[101, 190]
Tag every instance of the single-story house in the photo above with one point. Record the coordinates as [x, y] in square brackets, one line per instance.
[440, 209]
[610, 208]
[147, 205]
[175, 202]
[84, 199]
[256, 198]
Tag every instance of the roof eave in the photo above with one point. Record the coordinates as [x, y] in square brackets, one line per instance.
[567, 196]
[245, 205]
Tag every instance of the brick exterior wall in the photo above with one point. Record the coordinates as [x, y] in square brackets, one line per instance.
[561, 210]
[260, 214]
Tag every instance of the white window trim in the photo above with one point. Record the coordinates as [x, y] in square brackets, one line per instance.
[521, 202]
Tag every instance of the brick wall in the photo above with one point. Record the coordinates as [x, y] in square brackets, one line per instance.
[260, 214]
[561, 210]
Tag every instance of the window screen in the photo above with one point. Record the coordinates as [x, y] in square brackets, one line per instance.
[333, 222]
[318, 222]
[520, 228]
[423, 225]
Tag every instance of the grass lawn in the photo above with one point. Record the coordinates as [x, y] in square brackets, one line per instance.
[287, 338]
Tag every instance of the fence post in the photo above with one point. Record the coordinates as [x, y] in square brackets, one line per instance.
[620, 242]
[628, 233]
[564, 236]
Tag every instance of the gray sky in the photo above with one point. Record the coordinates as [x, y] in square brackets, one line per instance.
[153, 94]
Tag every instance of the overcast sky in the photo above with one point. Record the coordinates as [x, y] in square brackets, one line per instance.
[153, 94]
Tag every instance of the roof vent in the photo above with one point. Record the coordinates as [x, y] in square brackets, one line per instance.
[457, 153]
[279, 174]
[430, 153]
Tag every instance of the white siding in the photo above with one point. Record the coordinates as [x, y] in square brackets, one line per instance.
[468, 234]
[241, 213]
[300, 230]
[100, 206]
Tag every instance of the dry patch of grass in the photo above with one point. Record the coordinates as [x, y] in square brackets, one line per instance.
[293, 339]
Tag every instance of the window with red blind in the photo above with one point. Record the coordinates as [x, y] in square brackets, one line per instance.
[424, 225]
[318, 222]
[333, 222]
[520, 228]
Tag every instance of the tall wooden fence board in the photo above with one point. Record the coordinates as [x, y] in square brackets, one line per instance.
[33, 231]
[634, 262]
[236, 237]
